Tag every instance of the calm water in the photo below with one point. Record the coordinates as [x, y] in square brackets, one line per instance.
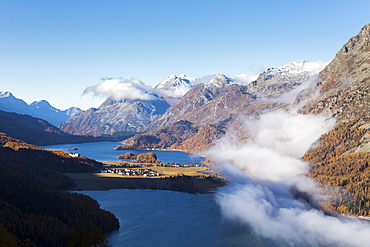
[104, 151]
[164, 218]
[168, 218]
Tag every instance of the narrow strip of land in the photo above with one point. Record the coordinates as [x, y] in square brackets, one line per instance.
[106, 181]
[132, 175]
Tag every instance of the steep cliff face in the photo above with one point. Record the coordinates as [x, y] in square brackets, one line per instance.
[342, 158]
[342, 87]
[113, 116]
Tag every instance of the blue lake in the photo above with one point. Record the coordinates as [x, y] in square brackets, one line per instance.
[164, 218]
[104, 151]
[159, 218]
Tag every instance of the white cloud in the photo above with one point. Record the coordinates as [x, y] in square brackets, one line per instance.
[243, 79]
[175, 92]
[315, 66]
[120, 89]
[266, 169]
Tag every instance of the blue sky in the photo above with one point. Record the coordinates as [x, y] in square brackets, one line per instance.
[53, 50]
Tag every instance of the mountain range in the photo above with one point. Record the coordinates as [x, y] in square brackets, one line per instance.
[35, 131]
[39, 109]
[174, 87]
[116, 116]
[209, 100]
[222, 103]
[202, 111]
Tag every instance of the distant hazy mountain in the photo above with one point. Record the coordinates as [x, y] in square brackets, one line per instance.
[115, 116]
[39, 109]
[35, 130]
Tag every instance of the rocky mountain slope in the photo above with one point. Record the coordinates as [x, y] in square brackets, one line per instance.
[39, 109]
[342, 159]
[342, 87]
[206, 110]
[114, 116]
[275, 82]
[175, 86]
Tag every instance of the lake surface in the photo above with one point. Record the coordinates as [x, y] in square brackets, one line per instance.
[164, 218]
[104, 151]
[168, 218]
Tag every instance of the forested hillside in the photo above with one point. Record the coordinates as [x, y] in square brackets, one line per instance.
[35, 130]
[34, 211]
[333, 165]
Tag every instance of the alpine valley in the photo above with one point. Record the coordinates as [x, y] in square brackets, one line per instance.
[191, 115]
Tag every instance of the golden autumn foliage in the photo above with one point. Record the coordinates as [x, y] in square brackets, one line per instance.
[336, 163]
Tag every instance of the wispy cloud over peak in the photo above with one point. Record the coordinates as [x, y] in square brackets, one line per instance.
[120, 89]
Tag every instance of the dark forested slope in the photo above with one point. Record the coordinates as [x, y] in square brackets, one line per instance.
[35, 130]
[32, 206]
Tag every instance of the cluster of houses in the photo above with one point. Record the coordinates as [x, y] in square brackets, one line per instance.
[173, 164]
[74, 155]
[134, 172]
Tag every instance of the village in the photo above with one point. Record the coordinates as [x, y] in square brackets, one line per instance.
[133, 172]
[142, 170]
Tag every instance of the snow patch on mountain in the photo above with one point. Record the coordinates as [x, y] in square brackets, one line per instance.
[220, 80]
[39, 109]
[300, 66]
[275, 82]
[243, 79]
[175, 86]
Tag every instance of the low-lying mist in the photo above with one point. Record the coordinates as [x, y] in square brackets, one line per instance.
[264, 172]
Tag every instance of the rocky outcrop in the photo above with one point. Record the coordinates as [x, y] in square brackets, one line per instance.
[342, 87]
[275, 82]
[114, 116]
[149, 157]
[127, 156]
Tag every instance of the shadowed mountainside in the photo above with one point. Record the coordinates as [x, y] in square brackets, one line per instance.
[35, 130]
[33, 209]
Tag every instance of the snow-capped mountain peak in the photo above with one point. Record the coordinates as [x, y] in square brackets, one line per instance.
[300, 66]
[175, 86]
[274, 82]
[5, 94]
[39, 109]
[41, 104]
[173, 81]
[220, 80]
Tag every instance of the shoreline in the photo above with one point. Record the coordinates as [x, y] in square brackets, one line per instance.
[104, 181]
